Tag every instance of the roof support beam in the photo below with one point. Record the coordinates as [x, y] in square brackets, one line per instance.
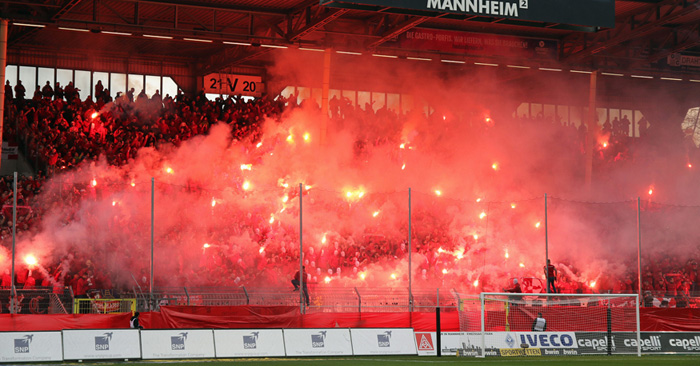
[629, 31]
[315, 24]
[396, 30]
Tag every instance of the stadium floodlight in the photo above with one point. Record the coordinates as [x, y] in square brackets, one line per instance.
[116, 33]
[29, 25]
[517, 324]
[157, 36]
[419, 58]
[198, 40]
[238, 43]
[74, 29]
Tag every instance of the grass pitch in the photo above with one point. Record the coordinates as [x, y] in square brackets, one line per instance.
[671, 360]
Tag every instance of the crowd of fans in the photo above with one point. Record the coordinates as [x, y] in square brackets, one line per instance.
[59, 131]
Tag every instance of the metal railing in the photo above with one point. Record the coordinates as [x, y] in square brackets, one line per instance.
[38, 300]
[322, 299]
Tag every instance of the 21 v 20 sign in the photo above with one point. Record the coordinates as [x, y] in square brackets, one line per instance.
[232, 84]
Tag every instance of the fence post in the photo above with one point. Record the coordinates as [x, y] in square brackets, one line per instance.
[359, 301]
[247, 297]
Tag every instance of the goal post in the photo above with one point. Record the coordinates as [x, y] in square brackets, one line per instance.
[512, 325]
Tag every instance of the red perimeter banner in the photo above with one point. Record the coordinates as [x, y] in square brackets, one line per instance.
[478, 44]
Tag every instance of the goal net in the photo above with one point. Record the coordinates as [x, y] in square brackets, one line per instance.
[521, 325]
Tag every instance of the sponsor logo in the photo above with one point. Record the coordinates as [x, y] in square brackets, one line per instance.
[177, 343]
[569, 352]
[102, 342]
[22, 344]
[383, 339]
[550, 352]
[511, 352]
[509, 340]
[598, 344]
[653, 343]
[318, 340]
[687, 344]
[250, 341]
[425, 342]
[547, 340]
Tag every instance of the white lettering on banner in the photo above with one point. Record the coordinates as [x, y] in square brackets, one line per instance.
[599, 344]
[232, 84]
[653, 343]
[548, 339]
[686, 344]
[485, 7]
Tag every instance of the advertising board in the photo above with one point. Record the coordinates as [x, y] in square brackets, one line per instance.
[386, 341]
[177, 343]
[249, 342]
[30, 346]
[93, 344]
[317, 342]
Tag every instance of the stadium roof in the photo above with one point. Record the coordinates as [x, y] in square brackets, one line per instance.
[216, 34]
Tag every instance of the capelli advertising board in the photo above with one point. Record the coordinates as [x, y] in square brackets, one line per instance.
[97, 344]
[30, 346]
[568, 343]
[317, 342]
[249, 343]
[177, 343]
[388, 341]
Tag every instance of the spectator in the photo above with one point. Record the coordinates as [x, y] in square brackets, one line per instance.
[47, 91]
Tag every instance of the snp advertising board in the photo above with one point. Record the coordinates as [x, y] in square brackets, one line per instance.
[30, 346]
[177, 343]
[249, 342]
[387, 341]
[317, 342]
[96, 344]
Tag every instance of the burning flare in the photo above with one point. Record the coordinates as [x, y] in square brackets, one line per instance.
[30, 260]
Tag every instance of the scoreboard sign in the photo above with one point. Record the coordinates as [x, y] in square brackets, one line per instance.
[596, 13]
[232, 84]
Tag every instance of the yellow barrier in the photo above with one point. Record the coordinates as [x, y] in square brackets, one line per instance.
[103, 306]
